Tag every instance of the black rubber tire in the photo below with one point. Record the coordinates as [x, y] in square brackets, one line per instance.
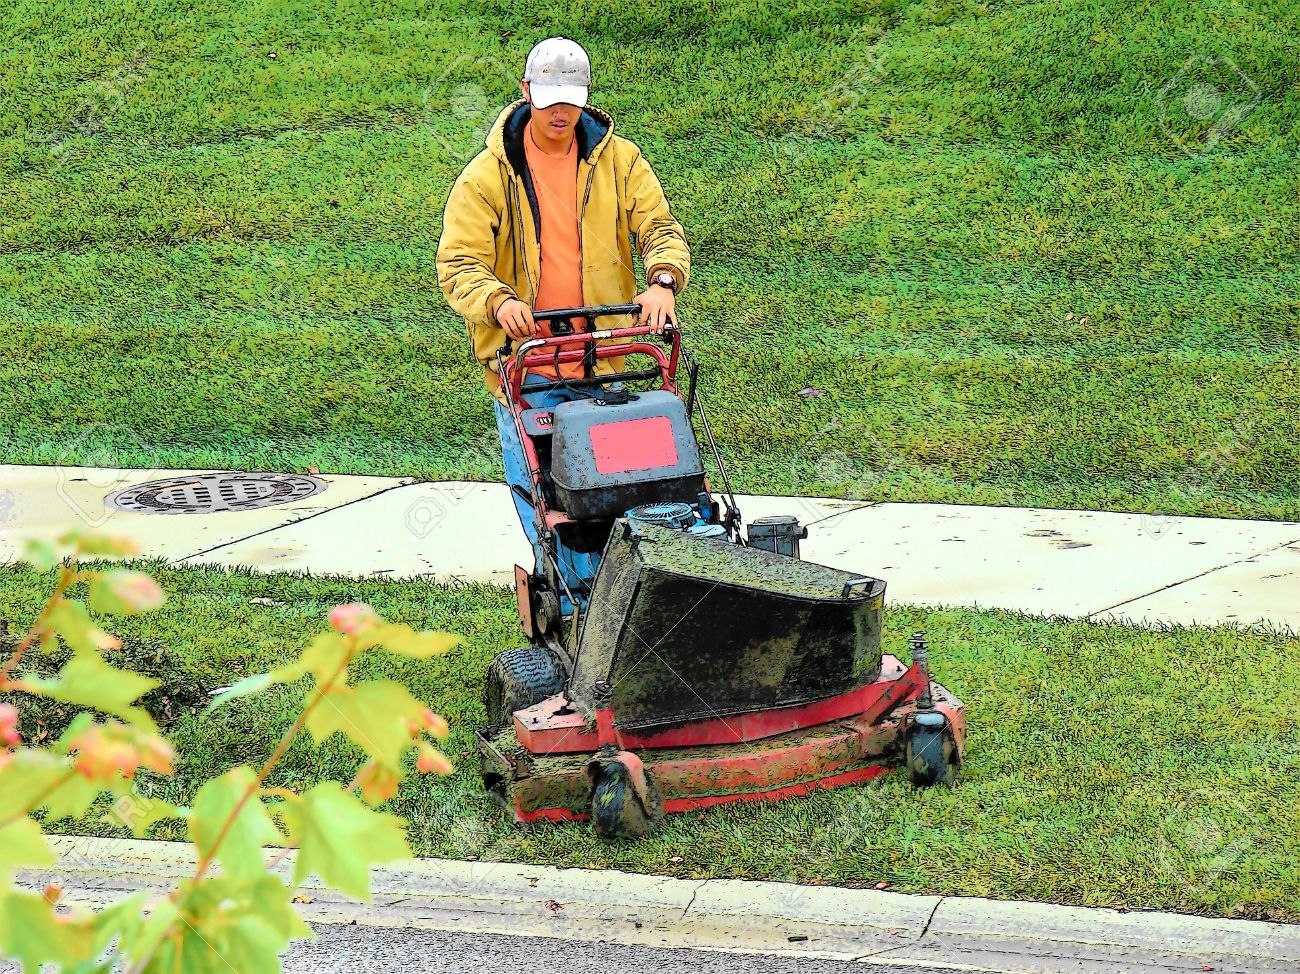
[616, 812]
[519, 678]
[931, 757]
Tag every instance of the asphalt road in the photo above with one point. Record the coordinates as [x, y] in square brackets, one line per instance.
[383, 950]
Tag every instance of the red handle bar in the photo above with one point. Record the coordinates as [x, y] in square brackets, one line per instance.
[533, 353]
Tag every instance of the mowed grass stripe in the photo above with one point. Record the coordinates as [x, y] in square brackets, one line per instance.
[1078, 213]
[941, 311]
[1081, 73]
[1201, 436]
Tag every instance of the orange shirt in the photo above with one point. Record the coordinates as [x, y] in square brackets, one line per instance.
[555, 181]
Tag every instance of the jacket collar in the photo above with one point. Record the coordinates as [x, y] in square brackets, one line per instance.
[506, 139]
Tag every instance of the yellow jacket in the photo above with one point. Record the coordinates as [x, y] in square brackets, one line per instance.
[490, 246]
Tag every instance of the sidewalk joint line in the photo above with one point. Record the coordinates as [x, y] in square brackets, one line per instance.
[884, 950]
[289, 524]
[930, 919]
[862, 506]
[694, 893]
[1192, 578]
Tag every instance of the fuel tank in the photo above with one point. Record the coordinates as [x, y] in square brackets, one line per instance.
[610, 455]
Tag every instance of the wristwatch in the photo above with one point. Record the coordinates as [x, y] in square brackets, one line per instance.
[664, 279]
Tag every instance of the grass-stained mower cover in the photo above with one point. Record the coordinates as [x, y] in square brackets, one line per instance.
[682, 628]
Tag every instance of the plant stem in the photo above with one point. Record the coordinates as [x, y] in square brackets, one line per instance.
[271, 762]
[39, 800]
[21, 686]
[275, 859]
[66, 578]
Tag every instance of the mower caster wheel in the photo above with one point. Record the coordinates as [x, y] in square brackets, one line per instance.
[931, 751]
[617, 810]
[519, 678]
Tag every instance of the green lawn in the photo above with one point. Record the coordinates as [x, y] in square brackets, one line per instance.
[971, 225]
[1107, 765]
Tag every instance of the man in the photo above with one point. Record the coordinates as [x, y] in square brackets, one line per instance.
[541, 219]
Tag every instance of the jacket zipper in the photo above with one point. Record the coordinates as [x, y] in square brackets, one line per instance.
[523, 256]
[582, 212]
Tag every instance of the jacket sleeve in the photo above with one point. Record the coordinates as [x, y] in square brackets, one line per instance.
[466, 253]
[659, 237]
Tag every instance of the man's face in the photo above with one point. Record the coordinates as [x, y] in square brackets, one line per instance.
[557, 121]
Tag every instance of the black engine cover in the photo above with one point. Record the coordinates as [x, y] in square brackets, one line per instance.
[607, 458]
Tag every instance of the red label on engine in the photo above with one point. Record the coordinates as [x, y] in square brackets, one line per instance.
[637, 444]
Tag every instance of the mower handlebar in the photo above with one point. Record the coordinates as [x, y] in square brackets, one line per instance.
[590, 314]
[588, 345]
[590, 337]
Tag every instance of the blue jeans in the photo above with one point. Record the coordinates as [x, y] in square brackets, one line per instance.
[576, 568]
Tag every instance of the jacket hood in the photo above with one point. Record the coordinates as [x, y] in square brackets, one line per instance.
[506, 138]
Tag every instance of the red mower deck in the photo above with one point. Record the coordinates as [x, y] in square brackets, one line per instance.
[543, 774]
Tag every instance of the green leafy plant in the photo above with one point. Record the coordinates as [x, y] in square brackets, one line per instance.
[243, 916]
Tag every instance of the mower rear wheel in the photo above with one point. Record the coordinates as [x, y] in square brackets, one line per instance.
[519, 678]
[931, 751]
[617, 811]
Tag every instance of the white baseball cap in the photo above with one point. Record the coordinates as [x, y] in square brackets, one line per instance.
[558, 70]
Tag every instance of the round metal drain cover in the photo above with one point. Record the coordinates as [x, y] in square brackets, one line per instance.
[210, 493]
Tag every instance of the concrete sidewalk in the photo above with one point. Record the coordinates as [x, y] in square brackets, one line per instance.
[735, 916]
[1144, 568]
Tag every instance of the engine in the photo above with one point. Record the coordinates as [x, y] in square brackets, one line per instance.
[613, 454]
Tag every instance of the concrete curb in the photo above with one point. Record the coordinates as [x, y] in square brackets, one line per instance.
[963, 933]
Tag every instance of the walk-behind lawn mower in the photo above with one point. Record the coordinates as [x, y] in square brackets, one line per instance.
[701, 666]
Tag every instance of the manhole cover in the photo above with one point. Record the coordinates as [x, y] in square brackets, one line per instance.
[210, 493]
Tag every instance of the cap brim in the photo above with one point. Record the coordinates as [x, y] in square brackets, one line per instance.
[544, 96]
